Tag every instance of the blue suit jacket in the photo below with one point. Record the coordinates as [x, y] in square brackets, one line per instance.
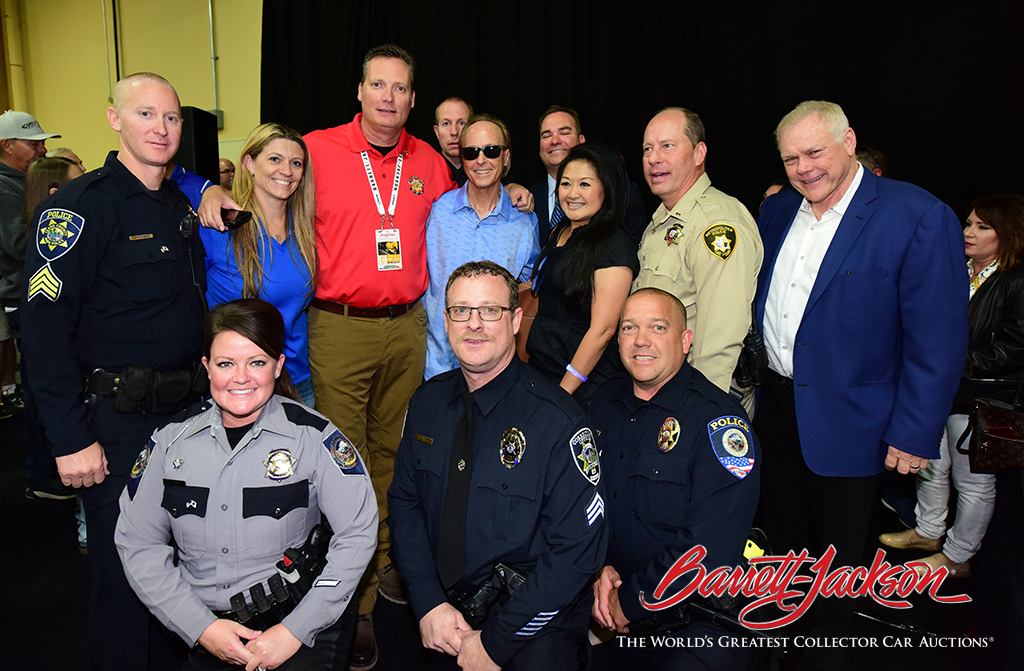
[883, 339]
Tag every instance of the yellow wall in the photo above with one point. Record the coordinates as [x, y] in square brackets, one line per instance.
[66, 63]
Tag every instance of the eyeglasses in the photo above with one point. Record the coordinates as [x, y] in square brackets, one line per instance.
[488, 313]
[490, 151]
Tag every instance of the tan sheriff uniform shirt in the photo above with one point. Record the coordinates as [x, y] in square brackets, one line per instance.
[706, 251]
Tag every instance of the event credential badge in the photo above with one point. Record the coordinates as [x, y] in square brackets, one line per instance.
[389, 249]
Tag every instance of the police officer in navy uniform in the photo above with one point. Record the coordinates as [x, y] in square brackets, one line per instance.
[531, 497]
[680, 468]
[114, 277]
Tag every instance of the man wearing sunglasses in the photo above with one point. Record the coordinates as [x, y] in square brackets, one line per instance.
[474, 222]
[497, 495]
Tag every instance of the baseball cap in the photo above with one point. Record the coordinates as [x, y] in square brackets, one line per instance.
[21, 126]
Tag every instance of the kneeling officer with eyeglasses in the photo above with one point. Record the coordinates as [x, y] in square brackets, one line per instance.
[497, 512]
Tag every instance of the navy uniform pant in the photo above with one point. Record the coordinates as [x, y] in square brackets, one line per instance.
[124, 636]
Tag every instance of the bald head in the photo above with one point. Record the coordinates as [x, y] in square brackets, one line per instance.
[123, 89]
[653, 339]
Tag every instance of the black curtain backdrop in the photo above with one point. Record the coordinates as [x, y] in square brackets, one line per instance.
[936, 90]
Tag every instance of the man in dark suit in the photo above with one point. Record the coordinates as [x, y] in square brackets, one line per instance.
[560, 132]
[863, 304]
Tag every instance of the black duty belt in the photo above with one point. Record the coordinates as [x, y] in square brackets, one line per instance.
[386, 312]
[141, 389]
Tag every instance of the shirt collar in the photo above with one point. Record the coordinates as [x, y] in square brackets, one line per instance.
[668, 397]
[272, 418]
[502, 209]
[359, 143]
[844, 202]
[684, 206]
[488, 396]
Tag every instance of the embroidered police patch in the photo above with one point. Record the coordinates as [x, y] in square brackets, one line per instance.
[585, 456]
[720, 239]
[139, 468]
[58, 231]
[280, 464]
[733, 444]
[344, 454]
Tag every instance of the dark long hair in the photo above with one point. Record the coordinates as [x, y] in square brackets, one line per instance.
[1005, 214]
[589, 242]
[45, 173]
[257, 321]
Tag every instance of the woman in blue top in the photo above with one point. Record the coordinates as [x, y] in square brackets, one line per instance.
[272, 257]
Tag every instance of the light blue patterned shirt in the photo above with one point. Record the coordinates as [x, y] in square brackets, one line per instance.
[456, 235]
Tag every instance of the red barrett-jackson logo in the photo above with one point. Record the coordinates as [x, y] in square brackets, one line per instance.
[769, 581]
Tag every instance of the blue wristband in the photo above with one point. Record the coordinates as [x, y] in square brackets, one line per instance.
[580, 376]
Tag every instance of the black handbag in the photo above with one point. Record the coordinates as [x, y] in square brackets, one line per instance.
[997, 435]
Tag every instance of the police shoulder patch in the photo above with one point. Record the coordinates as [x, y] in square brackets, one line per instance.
[732, 444]
[720, 239]
[139, 469]
[584, 455]
[57, 232]
[344, 454]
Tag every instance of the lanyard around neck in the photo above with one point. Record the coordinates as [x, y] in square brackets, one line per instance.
[376, 191]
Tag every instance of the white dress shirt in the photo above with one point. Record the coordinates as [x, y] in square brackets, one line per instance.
[793, 276]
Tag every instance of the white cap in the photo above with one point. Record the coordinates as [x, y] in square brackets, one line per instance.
[21, 126]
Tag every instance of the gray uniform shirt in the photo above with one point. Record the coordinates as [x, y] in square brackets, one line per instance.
[234, 512]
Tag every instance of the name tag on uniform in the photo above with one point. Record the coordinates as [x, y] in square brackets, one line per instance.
[389, 249]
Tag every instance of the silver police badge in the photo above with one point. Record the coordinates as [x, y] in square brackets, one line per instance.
[513, 444]
[585, 456]
[280, 464]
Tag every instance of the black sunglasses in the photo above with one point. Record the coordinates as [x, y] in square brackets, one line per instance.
[490, 151]
[234, 218]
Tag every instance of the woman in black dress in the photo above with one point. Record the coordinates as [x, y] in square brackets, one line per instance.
[583, 274]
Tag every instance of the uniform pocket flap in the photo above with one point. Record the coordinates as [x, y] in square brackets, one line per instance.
[276, 501]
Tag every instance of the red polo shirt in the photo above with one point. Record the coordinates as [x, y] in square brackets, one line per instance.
[347, 218]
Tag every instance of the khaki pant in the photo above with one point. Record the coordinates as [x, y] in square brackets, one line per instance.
[364, 373]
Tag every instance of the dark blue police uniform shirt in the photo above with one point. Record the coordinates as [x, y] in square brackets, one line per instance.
[673, 485]
[544, 515]
[108, 283]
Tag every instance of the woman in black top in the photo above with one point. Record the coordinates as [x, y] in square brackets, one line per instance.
[583, 274]
[994, 244]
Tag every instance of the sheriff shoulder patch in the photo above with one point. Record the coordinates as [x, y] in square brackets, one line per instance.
[139, 469]
[732, 444]
[344, 454]
[720, 239]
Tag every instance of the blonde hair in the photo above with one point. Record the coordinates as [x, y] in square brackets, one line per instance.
[120, 96]
[830, 113]
[247, 242]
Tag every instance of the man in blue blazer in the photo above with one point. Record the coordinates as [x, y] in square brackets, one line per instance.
[863, 304]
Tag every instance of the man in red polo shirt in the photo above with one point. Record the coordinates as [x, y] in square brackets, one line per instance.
[375, 185]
